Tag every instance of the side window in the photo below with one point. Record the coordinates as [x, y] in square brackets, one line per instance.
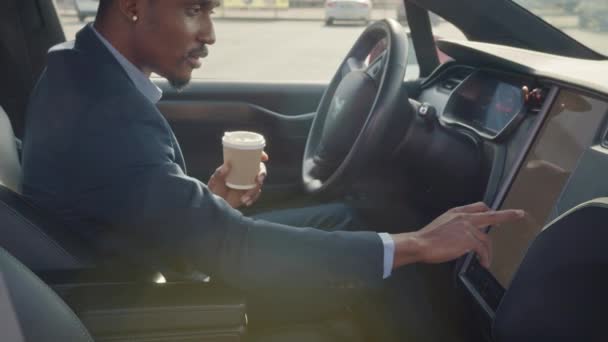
[73, 14]
[412, 71]
[276, 40]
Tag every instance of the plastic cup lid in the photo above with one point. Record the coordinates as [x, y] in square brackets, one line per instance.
[243, 140]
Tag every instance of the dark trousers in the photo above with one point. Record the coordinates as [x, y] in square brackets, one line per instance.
[403, 310]
[315, 316]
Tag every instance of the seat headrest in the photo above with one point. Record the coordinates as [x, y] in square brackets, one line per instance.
[10, 167]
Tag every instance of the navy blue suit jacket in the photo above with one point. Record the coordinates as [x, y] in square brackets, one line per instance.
[101, 157]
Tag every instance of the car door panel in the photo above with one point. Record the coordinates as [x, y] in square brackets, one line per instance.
[283, 113]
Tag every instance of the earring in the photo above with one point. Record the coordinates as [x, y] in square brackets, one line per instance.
[134, 18]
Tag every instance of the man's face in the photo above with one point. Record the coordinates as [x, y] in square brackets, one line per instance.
[172, 36]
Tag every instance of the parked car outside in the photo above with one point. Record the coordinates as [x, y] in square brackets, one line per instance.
[402, 16]
[593, 15]
[569, 5]
[359, 10]
[86, 8]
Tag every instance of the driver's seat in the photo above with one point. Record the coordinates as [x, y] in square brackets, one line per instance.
[10, 168]
[39, 313]
[28, 233]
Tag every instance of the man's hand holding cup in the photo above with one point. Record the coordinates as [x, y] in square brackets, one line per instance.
[239, 180]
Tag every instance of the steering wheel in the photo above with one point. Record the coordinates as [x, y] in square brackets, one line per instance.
[356, 110]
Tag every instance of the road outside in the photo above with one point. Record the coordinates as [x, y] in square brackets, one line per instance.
[298, 47]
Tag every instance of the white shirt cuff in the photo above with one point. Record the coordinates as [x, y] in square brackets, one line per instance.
[389, 254]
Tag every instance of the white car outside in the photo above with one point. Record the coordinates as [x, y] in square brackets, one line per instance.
[360, 10]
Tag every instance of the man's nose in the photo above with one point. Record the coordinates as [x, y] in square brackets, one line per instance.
[207, 34]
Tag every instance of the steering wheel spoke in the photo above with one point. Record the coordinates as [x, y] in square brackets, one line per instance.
[351, 64]
[375, 68]
[310, 182]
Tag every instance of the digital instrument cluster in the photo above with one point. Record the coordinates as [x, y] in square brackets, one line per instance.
[487, 102]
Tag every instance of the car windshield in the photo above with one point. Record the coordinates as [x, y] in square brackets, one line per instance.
[584, 20]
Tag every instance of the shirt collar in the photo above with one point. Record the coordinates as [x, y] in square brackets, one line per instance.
[142, 82]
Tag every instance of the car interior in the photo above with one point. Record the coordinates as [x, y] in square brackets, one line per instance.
[516, 118]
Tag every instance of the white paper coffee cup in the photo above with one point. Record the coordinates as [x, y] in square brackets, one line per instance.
[243, 150]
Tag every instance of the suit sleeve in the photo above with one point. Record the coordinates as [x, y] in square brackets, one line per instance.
[134, 185]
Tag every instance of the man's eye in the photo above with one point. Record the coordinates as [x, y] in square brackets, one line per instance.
[194, 11]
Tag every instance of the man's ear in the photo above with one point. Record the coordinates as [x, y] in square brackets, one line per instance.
[130, 9]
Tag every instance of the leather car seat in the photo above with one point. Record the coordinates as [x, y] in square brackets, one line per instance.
[40, 313]
[10, 168]
[37, 238]
[28, 233]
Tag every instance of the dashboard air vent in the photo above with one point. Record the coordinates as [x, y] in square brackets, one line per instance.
[450, 83]
[454, 78]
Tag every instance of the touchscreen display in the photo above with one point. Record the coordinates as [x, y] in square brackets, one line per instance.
[486, 102]
[567, 132]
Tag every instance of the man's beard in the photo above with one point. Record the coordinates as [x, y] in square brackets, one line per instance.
[178, 83]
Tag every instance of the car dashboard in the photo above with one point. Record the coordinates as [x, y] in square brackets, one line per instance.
[523, 129]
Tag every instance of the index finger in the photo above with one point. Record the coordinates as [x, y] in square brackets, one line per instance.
[490, 218]
[264, 156]
[222, 170]
[478, 207]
